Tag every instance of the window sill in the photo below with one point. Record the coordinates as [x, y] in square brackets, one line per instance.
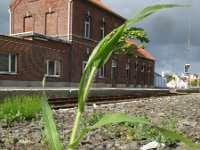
[101, 77]
[89, 39]
[52, 76]
[7, 73]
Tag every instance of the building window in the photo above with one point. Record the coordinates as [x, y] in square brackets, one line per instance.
[102, 29]
[52, 68]
[127, 70]
[135, 71]
[143, 68]
[149, 69]
[136, 66]
[8, 63]
[102, 72]
[87, 27]
[113, 70]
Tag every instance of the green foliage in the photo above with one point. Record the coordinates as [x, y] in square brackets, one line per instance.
[194, 83]
[91, 120]
[152, 133]
[131, 33]
[169, 77]
[98, 58]
[19, 107]
[49, 124]
[106, 120]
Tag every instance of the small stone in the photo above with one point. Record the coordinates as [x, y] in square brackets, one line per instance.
[151, 145]
[189, 123]
[161, 114]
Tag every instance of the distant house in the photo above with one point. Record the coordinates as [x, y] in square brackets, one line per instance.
[159, 81]
[193, 77]
[54, 38]
[178, 82]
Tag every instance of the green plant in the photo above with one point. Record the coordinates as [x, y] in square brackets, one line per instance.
[20, 107]
[98, 58]
[91, 120]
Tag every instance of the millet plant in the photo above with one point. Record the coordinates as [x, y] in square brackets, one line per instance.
[98, 58]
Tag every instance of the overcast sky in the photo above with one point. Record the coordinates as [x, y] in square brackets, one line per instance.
[167, 30]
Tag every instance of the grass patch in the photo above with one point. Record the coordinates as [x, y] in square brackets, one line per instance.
[20, 107]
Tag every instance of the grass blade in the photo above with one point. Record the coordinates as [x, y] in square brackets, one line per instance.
[178, 137]
[49, 125]
[150, 10]
[108, 119]
[156, 8]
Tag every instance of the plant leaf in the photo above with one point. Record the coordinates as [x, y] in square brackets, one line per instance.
[150, 10]
[99, 56]
[156, 8]
[177, 136]
[49, 125]
[108, 119]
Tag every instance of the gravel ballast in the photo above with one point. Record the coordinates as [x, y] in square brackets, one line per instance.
[29, 135]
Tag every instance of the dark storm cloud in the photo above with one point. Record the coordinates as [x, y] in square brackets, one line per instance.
[167, 31]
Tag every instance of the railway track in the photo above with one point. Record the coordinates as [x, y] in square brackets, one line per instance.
[62, 103]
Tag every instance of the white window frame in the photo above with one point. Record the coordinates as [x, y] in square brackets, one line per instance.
[102, 72]
[9, 64]
[87, 27]
[47, 68]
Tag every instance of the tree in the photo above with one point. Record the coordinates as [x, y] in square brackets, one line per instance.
[169, 77]
[132, 33]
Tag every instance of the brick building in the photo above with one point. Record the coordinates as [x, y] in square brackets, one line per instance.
[55, 38]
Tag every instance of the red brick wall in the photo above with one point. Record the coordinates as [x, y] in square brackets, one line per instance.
[31, 56]
[96, 14]
[39, 12]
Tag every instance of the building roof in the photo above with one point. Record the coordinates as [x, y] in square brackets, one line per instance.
[105, 7]
[141, 52]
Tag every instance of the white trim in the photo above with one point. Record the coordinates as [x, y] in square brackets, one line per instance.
[10, 21]
[87, 24]
[9, 63]
[102, 28]
[69, 20]
[15, 64]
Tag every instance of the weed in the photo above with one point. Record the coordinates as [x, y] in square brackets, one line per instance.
[98, 58]
[20, 107]
[91, 120]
